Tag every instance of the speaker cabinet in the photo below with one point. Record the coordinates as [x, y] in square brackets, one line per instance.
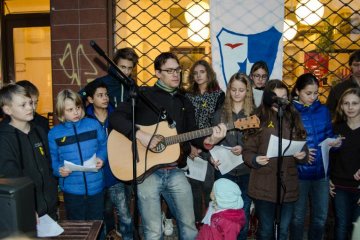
[17, 207]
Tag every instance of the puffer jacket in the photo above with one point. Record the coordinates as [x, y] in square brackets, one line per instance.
[317, 123]
[65, 140]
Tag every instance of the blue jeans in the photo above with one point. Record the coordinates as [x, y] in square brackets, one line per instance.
[317, 191]
[174, 187]
[118, 196]
[265, 212]
[243, 182]
[347, 211]
[82, 207]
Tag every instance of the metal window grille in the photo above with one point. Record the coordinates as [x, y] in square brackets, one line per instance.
[324, 47]
[155, 26]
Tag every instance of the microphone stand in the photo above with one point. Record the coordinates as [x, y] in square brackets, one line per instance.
[279, 173]
[134, 93]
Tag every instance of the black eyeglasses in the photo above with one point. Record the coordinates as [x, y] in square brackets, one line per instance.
[172, 70]
[258, 76]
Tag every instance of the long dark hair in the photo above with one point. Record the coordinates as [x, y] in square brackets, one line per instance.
[266, 113]
[212, 84]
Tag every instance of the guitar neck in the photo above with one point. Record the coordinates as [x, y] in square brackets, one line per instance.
[183, 137]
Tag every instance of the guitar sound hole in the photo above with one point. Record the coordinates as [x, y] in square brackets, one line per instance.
[161, 145]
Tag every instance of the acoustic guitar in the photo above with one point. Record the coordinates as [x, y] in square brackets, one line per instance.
[165, 154]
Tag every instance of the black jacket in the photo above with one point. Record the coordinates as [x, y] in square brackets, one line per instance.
[178, 107]
[28, 155]
[345, 160]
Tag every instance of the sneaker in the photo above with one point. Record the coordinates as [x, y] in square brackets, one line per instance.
[168, 226]
[113, 235]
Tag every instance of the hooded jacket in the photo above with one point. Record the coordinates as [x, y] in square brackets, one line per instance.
[316, 119]
[28, 155]
[225, 225]
[118, 93]
[77, 142]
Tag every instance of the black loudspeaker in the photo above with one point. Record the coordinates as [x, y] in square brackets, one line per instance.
[17, 207]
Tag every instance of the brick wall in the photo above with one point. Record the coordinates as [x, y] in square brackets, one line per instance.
[73, 24]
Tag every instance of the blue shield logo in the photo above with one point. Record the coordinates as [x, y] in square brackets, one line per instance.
[239, 52]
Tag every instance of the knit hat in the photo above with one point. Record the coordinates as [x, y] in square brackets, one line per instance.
[227, 194]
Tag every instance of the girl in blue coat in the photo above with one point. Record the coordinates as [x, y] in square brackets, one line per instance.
[77, 139]
[313, 177]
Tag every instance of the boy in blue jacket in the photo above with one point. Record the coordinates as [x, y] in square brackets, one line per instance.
[117, 193]
[78, 140]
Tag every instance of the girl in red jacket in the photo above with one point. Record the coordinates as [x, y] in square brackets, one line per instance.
[225, 216]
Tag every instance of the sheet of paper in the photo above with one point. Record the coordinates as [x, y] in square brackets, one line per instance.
[325, 148]
[47, 227]
[228, 160]
[272, 151]
[197, 168]
[89, 165]
[257, 96]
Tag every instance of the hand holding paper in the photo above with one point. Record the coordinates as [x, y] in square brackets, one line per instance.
[262, 160]
[89, 165]
[295, 147]
[227, 160]
[237, 150]
[99, 163]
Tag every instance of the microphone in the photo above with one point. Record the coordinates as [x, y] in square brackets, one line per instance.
[171, 122]
[269, 98]
[97, 48]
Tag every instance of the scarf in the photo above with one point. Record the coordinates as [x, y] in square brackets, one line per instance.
[160, 84]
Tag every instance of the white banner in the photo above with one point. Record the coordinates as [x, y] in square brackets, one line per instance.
[244, 32]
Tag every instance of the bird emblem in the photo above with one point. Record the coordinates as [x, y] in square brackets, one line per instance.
[233, 45]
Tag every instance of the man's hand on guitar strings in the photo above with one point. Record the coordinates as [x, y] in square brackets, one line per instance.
[145, 137]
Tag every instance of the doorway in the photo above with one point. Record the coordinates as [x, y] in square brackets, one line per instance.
[28, 54]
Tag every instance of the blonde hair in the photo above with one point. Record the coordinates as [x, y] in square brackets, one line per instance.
[248, 106]
[60, 103]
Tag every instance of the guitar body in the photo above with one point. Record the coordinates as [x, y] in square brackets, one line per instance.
[121, 157]
[166, 153]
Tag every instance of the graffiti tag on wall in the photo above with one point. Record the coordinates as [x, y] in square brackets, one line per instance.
[74, 72]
